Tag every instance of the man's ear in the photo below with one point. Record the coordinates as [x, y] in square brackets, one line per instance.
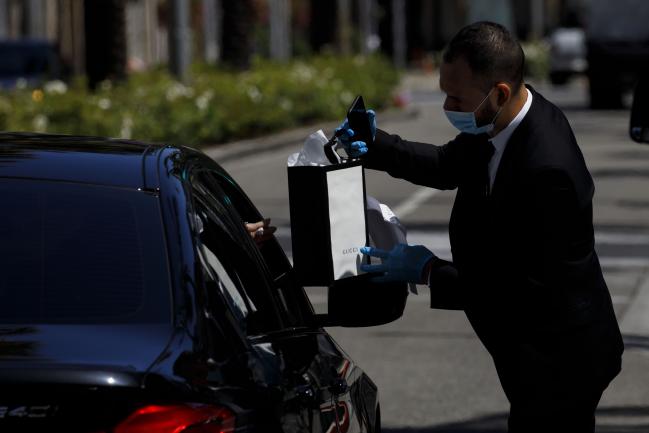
[504, 93]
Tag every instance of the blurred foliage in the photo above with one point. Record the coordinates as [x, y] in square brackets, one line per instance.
[537, 59]
[217, 106]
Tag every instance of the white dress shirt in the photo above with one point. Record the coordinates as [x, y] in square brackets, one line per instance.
[501, 139]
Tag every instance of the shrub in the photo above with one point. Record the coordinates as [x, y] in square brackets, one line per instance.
[218, 105]
[537, 59]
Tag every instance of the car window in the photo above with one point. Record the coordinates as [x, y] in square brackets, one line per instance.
[294, 304]
[74, 253]
[235, 296]
[219, 276]
[228, 262]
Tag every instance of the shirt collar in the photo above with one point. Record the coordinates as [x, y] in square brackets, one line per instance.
[500, 140]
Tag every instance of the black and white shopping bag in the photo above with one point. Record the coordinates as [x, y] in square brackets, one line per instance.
[328, 221]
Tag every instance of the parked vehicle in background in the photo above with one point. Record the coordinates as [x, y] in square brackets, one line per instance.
[567, 54]
[133, 299]
[617, 39]
[33, 61]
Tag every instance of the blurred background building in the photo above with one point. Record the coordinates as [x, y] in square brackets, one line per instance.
[107, 38]
[231, 31]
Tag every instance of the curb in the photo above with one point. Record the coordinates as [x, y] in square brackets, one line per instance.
[293, 137]
[636, 318]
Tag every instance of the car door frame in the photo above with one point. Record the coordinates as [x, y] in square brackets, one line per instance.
[348, 392]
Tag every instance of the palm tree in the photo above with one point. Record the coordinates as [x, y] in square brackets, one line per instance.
[323, 25]
[105, 29]
[238, 23]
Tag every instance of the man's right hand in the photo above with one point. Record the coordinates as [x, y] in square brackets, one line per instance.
[345, 134]
[407, 263]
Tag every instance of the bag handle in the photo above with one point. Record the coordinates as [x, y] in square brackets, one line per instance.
[330, 150]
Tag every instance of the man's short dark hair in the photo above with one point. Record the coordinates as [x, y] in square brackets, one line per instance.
[491, 52]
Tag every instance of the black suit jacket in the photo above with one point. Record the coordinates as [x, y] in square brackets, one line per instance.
[524, 265]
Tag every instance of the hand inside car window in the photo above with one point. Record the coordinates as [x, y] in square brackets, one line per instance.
[261, 231]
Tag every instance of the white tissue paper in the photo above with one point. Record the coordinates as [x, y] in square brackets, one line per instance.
[385, 229]
[312, 152]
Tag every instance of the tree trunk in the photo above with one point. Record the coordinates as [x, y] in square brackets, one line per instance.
[399, 37]
[238, 22]
[212, 24]
[105, 28]
[280, 29]
[323, 25]
[179, 39]
[344, 10]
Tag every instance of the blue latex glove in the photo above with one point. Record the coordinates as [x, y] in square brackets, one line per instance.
[402, 263]
[345, 135]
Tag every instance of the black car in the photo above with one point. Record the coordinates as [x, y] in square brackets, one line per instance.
[132, 299]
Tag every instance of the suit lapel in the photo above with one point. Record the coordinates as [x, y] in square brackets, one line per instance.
[506, 166]
[512, 149]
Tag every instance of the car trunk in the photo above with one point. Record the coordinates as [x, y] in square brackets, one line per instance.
[74, 377]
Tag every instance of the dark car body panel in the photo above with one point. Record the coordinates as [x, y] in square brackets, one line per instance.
[61, 158]
[114, 345]
[287, 375]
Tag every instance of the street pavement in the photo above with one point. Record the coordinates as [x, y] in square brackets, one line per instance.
[431, 370]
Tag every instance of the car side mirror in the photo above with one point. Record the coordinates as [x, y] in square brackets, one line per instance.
[639, 125]
[359, 302]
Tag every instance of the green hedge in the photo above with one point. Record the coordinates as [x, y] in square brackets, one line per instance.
[537, 59]
[217, 105]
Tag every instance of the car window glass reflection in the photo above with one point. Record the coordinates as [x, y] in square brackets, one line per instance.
[241, 304]
[74, 253]
[296, 309]
[242, 283]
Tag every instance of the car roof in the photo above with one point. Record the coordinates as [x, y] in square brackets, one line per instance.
[82, 159]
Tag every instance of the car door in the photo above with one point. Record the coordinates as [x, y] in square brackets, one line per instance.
[322, 390]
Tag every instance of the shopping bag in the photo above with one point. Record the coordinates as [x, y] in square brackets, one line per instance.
[328, 221]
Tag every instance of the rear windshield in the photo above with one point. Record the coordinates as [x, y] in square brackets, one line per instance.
[72, 253]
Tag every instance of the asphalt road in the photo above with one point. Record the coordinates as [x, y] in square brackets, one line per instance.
[432, 372]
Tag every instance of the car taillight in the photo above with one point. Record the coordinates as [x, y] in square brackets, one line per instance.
[178, 418]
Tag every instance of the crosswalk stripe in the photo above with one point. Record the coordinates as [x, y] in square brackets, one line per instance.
[624, 262]
[636, 319]
[412, 203]
[621, 238]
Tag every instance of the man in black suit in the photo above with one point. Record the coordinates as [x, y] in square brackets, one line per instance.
[524, 267]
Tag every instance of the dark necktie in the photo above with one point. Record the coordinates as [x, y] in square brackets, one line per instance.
[486, 150]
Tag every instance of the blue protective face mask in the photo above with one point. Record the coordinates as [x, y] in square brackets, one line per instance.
[465, 120]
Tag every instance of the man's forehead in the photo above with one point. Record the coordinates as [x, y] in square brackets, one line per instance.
[456, 76]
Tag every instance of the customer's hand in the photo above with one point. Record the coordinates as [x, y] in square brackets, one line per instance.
[355, 148]
[402, 263]
[261, 231]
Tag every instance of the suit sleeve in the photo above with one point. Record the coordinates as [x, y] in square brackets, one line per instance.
[420, 163]
[439, 167]
[445, 292]
[564, 226]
